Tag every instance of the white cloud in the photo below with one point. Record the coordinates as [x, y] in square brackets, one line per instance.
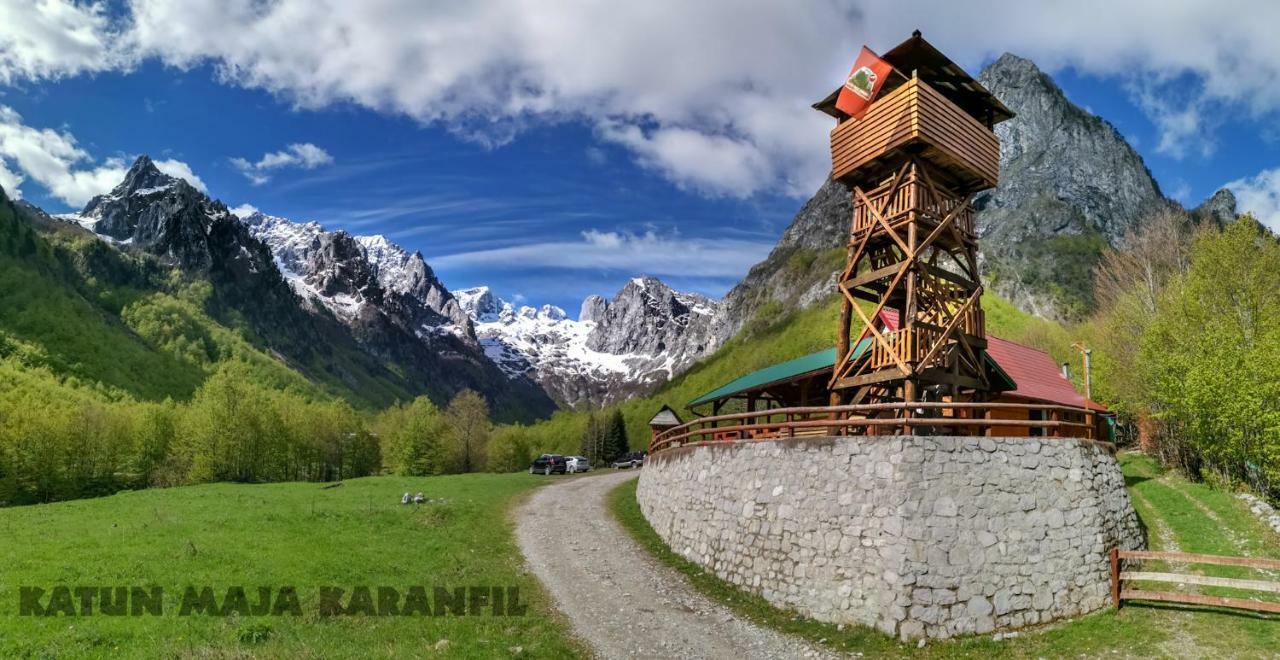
[303, 155]
[244, 210]
[10, 181]
[182, 171]
[713, 95]
[650, 253]
[54, 38]
[1259, 195]
[56, 161]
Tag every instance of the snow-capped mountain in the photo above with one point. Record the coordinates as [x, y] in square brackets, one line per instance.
[391, 303]
[359, 311]
[345, 273]
[647, 334]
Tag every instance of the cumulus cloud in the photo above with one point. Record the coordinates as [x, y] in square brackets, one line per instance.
[54, 38]
[57, 162]
[1259, 195]
[649, 252]
[713, 95]
[244, 210]
[303, 155]
[182, 171]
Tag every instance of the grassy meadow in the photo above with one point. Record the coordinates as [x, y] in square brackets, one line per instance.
[1178, 516]
[291, 534]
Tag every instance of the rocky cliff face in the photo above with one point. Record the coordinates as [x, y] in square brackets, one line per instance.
[347, 274]
[616, 348]
[1070, 185]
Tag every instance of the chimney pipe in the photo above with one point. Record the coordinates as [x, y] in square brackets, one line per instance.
[1066, 373]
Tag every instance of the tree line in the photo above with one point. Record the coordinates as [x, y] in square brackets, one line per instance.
[1187, 346]
[63, 439]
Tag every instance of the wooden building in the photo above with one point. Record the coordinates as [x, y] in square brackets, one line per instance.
[1019, 375]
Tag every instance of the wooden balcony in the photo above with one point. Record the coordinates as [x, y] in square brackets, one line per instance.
[912, 345]
[916, 119]
[911, 200]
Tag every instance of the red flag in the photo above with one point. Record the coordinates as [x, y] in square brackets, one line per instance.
[865, 80]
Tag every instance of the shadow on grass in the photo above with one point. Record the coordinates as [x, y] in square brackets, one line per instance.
[1131, 480]
[1200, 609]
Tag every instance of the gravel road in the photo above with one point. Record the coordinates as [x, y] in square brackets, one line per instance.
[618, 598]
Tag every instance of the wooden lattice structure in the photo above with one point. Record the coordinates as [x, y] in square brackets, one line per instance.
[913, 164]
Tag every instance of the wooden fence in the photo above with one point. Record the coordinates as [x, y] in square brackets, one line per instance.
[1120, 592]
[931, 418]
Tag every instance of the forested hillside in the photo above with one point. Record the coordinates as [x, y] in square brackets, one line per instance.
[120, 371]
[1187, 346]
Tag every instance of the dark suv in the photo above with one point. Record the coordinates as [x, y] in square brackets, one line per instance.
[548, 464]
[629, 460]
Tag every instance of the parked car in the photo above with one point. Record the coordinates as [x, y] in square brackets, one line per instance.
[549, 464]
[629, 460]
[579, 464]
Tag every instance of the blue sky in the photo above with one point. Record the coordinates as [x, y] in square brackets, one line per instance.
[560, 151]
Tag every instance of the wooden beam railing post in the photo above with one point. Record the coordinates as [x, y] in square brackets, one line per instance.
[1115, 577]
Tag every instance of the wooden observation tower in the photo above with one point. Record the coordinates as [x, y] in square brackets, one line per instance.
[922, 149]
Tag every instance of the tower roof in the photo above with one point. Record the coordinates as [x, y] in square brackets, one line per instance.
[930, 65]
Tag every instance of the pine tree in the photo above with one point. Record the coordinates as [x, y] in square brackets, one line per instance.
[615, 436]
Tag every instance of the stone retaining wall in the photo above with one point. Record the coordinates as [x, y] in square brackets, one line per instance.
[917, 536]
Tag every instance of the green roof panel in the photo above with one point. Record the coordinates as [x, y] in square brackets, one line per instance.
[782, 371]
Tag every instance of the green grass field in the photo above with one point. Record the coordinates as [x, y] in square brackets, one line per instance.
[308, 536]
[1178, 515]
[295, 534]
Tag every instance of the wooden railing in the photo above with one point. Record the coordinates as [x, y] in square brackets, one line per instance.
[922, 418]
[1121, 592]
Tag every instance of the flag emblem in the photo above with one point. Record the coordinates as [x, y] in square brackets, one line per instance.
[867, 76]
[862, 82]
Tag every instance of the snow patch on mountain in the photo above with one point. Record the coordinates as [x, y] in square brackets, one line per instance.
[525, 339]
[646, 335]
[345, 273]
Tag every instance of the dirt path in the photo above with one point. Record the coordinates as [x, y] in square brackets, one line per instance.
[618, 598]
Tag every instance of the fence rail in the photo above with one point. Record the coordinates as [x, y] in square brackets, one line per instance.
[932, 418]
[1120, 592]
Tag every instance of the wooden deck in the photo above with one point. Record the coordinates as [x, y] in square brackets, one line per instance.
[915, 118]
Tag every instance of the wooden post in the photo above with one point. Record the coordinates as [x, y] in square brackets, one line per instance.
[1115, 577]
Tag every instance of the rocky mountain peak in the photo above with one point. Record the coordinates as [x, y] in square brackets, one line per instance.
[1220, 208]
[144, 174]
[344, 273]
[645, 335]
[647, 316]
[1055, 150]
[1070, 185]
[166, 216]
[479, 303]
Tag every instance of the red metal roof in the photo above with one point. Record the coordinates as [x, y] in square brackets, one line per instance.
[1035, 373]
